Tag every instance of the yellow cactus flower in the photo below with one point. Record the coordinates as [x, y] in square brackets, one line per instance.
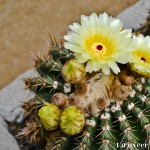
[140, 62]
[100, 41]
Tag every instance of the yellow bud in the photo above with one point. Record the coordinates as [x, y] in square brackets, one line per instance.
[73, 72]
[49, 116]
[72, 120]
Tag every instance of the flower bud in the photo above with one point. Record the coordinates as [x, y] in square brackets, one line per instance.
[49, 116]
[60, 100]
[72, 120]
[73, 72]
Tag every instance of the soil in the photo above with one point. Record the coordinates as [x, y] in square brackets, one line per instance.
[23, 24]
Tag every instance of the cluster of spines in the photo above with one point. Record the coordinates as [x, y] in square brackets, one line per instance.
[49, 69]
[127, 127]
[142, 117]
[98, 133]
[58, 141]
[33, 130]
[138, 104]
[33, 105]
[141, 92]
[106, 137]
[47, 64]
[48, 81]
[57, 51]
[86, 140]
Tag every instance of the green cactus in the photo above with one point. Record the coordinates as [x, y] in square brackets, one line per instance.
[98, 112]
[124, 121]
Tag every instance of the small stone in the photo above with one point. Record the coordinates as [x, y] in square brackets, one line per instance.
[11, 97]
[7, 141]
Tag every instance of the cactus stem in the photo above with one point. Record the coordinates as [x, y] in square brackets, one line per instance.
[86, 136]
[106, 129]
[57, 142]
[99, 120]
[54, 63]
[135, 103]
[31, 105]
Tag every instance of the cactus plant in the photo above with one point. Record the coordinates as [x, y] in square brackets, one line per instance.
[87, 95]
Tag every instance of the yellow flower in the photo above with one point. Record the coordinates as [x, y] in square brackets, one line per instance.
[141, 55]
[99, 41]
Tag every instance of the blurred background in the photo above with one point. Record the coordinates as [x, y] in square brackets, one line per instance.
[24, 24]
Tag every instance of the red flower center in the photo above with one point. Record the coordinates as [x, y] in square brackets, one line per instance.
[99, 47]
[143, 59]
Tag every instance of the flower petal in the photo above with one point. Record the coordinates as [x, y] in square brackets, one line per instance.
[83, 58]
[114, 67]
[71, 47]
[89, 67]
[105, 69]
[75, 27]
[96, 66]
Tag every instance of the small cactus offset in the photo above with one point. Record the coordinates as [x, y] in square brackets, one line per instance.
[93, 91]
